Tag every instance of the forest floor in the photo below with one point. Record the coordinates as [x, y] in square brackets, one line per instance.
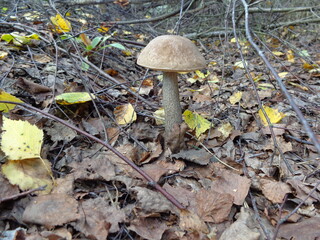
[237, 178]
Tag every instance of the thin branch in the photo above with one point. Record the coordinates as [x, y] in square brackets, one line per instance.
[155, 19]
[42, 188]
[279, 81]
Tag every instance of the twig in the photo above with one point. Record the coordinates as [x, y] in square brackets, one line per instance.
[42, 188]
[112, 149]
[282, 220]
[279, 81]
[155, 19]
[273, 136]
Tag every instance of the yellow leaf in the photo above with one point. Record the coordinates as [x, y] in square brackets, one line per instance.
[4, 96]
[299, 86]
[127, 53]
[125, 114]
[265, 86]
[239, 64]
[201, 74]
[273, 114]
[277, 53]
[20, 139]
[225, 129]
[235, 98]
[3, 55]
[283, 74]
[196, 122]
[61, 25]
[29, 174]
[159, 116]
[290, 56]
[103, 29]
[74, 97]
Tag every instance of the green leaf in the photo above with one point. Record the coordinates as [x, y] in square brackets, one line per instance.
[117, 45]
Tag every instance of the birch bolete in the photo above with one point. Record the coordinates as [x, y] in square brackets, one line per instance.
[171, 54]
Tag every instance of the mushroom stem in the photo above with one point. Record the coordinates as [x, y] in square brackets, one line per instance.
[171, 101]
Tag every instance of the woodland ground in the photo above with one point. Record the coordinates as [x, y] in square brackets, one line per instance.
[238, 179]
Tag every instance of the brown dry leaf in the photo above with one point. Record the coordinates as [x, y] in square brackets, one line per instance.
[51, 210]
[274, 191]
[32, 88]
[154, 170]
[148, 228]
[201, 157]
[308, 229]
[98, 218]
[242, 229]
[213, 206]
[234, 184]
[284, 146]
[57, 234]
[143, 131]
[278, 129]
[60, 132]
[96, 167]
[302, 190]
[151, 201]
[7, 189]
[190, 221]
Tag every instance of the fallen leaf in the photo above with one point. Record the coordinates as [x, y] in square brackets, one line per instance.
[29, 173]
[125, 114]
[51, 210]
[242, 228]
[196, 122]
[274, 191]
[273, 114]
[61, 25]
[20, 139]
[74, 98]
[235, 97]
[6, 107]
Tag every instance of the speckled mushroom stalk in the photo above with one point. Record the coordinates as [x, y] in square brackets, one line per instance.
[171, 100]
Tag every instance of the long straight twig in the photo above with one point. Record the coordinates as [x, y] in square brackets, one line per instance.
[279, 81]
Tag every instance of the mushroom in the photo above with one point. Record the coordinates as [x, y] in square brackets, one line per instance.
[171, 54]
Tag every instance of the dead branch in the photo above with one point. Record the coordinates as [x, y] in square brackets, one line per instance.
[279, 81]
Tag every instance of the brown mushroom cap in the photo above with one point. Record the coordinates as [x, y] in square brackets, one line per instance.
[171, 53]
